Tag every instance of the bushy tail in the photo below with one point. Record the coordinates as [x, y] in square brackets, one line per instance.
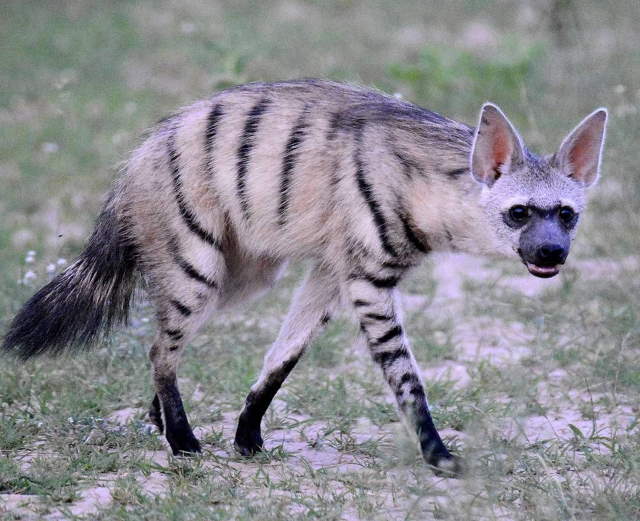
[85, 300]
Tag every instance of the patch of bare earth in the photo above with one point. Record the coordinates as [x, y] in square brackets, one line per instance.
[302, 444]
[488, 338]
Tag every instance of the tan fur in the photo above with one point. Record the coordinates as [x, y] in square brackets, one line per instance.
[353, 144]
[222, 194]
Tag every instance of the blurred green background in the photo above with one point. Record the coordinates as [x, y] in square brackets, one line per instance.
[80, 81]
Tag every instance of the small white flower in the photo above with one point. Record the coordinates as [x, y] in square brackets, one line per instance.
[29, 259]
[51, 268]
[50, 148]
[29, 275]
[118, 138]
[398, 95]
[61, 262]
[619, 89]
[144, 319]
[130, 107]
[440, 337]
[31, 253]
[187, 27]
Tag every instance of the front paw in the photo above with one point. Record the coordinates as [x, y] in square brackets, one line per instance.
[449, 466]
[248, 440]
[183, 443]
[443, 463]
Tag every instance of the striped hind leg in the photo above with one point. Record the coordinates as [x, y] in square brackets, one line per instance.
[377, 307]
[309, 312]
[185, 288]
[180, 320]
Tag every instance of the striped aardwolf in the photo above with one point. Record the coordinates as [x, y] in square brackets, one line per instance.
[220, 195]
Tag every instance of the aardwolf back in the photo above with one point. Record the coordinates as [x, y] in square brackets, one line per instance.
[220, 195]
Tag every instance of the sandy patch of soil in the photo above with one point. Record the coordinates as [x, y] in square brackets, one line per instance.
[91, 499]
[456, 372]
[305, 444]
[125, 416]
[22, 506]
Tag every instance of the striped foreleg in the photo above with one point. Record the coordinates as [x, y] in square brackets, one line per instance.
[377, 309]
[309, 313]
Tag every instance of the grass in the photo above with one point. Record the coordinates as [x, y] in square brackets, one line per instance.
[537, 391]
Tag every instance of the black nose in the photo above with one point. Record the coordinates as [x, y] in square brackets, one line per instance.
[550, 255]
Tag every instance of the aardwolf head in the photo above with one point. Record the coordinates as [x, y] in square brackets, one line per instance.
[534, 203]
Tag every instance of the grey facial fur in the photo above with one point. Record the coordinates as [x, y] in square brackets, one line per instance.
[545, 186]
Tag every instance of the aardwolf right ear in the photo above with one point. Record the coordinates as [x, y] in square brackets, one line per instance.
[497, 146]
[580, 154]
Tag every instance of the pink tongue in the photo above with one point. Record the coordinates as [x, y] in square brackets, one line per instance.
[542, 269]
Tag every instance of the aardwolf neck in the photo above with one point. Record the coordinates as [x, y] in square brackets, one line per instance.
[445, 201]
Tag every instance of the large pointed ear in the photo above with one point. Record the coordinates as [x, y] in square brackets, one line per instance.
[497, 146]
[580, 154]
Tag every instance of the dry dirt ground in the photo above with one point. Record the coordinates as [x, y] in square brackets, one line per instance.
[309, 452]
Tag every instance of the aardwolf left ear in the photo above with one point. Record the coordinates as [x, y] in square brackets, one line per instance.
[580, 154]
[497, 146]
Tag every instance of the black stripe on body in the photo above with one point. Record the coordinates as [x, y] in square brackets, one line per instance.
[396, 265]
[412, 234]
[387, 358]
[417, 390]
[378, 282]
[288, 161]
[188, 269]
[187, 214]
[409, 378]
[174, 334]
[392, 333]
[210, 134]
[367, 193]
[408, 166]
[244, 151]
[361, 303]
[182, 309]
[378, 317]
[457, 172]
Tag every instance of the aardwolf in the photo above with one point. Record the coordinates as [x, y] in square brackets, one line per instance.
[220, 195]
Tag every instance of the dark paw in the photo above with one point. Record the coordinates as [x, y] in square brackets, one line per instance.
[248, 441]
[183, 443]
[445, 464]
[451, 467]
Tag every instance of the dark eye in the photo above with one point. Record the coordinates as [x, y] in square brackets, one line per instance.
[567, 214]
[519, 213]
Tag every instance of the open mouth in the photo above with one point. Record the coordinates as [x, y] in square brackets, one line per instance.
[543, 272]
